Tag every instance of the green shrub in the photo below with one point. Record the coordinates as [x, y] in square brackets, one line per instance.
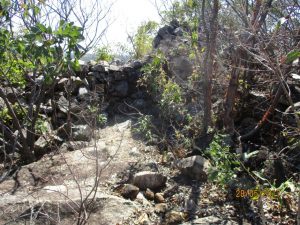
[142, 40]
[101, 119]
[41, 126]
[225, 164]
[144, 127]
[104, 53]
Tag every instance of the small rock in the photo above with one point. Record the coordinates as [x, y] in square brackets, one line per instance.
[140, 198]
[102, 66]
[82, 91]
[82, 133]
[134, 152]
[161, 208]
[129, 191]
[178, 31]
[174, 217]
[143, 219]
[151, 180]
[64, 106]
[159, 198]
[205, 221]
[195, 167]
[76, 145]
[149, 194]
[170, 191]
[114, 68]
[137, 64]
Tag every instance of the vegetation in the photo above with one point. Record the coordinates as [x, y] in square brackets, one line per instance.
[222, 79]
[141, 41]
[34, 59]
[104, 53]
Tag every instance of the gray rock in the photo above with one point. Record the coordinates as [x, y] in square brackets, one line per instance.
[72, 84]
[82, 92]
[121, 89]
[63, 105]
[45, 144]
[205, 220]
[73, 146]
[107, 209]
[93, 74]
[63, 131]
[102, 66]
[151, 180]
[174, 23]
[82, 133]
[118, 75]
[12, 94]
[137, 64]
[181, 67]
[178, 31]
[41, 142]
[170, 191]
[165, 31]
[140, 198]
[195, 167]
[128, 69]
[114, 68]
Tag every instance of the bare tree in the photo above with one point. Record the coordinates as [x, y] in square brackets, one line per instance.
[208, 22]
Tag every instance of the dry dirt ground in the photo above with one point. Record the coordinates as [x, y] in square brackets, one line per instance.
[62, 187]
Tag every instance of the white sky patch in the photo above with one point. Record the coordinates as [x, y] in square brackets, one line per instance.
[126, 16]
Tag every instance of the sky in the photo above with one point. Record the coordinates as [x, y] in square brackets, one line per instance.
[126, 16]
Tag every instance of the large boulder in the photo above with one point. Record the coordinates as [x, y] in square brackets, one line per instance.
[54, 207]
[151, 180]
[181, 67]
[195, 167]
[120, 89]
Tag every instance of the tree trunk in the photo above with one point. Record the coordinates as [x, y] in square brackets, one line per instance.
[211, 42]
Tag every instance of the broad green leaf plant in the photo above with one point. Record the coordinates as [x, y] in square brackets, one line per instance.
[33, 58]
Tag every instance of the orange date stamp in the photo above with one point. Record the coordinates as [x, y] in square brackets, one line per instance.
[256, 193]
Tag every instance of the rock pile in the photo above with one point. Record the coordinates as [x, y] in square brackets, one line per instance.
[88, 97]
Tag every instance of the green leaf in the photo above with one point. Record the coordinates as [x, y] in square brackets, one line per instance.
[293, 55]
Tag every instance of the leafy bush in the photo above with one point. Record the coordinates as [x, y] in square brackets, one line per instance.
[104, 53]
[144, 127]
[33, 58]
[142, 40]
[101, 119]
[225, 164]
[41, 126]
